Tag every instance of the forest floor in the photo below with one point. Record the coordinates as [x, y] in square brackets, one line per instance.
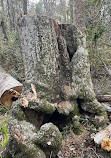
[73, 146]
[79, 146]
[82, 146]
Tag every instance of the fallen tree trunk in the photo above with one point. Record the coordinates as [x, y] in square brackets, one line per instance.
[10, 88]
[104, 98]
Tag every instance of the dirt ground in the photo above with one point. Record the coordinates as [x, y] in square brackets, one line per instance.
[79, 146]
[82, 146]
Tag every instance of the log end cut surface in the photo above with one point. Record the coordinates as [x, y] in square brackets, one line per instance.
[10, 88]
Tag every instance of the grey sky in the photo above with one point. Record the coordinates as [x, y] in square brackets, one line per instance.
[34, 1]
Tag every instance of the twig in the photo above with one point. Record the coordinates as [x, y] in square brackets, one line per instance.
[108, 71]
[51, 154]
[88, 149]
[107, 44]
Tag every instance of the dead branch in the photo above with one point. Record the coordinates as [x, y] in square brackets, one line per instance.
[108, 70]
[104, 98]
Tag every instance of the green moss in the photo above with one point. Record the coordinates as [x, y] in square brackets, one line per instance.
[45, 92]
[32, 151]
[18, 113]
[93, 107]
[77, 131]
[76, 109]
[3, 109]
[49, 131]
[76, 125]
[49, 138]
[42, 106]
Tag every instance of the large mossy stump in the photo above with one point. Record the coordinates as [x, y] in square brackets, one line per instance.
[57, 68]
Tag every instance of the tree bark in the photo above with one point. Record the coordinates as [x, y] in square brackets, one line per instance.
[2, 5]
[10, 88]
[55, 56]
[9, 15]
[4, 29]
[2, 21]
[24, 7]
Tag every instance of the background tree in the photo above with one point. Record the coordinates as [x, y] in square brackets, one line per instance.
[2, 24]
[97, 33]
[25, 7]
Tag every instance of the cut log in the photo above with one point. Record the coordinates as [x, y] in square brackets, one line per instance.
[10, 88]
[104, 98]
[103, 138]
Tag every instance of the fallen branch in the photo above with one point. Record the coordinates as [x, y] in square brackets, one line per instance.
[87, 150]
[104, 98]
[104, 64]
[107, 44]
[108, 70]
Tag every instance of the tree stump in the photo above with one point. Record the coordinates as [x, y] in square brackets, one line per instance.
[56, 63]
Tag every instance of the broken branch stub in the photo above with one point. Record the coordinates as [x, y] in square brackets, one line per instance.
[10, 88]
[104, 98]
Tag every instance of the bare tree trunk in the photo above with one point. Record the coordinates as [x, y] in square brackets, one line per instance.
[49, 8]
[2, 21]
[4, 29]
[71, 4]
[9, 15]
[2, 5]
[25, 7]
[12, 11]
[77, 14]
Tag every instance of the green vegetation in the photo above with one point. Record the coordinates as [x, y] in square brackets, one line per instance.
[4, 134]
[98, 43]
[10, 55]
[4, 131]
